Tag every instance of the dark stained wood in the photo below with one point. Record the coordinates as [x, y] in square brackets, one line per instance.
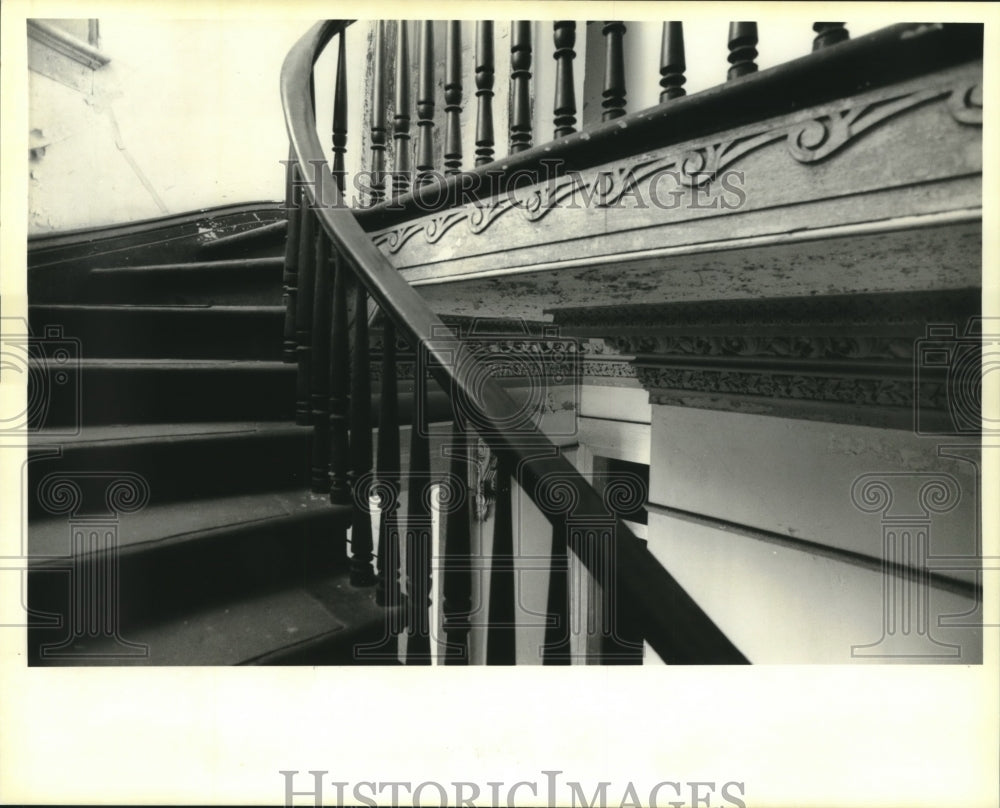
[742, 49]
[402, 168]
[418, 534]
[501, 647]
[564, 108]
[362, 573]
[304, 312]
[319, 386]
[339, 385]
[425, 103]
[484, 92]
[378, 128]
[672, 64]
[340, 114]
[290, 274]
[869, 62]
[829, 33]
[388, 591]
[453, 99]
[520, 86]
[556, 650]
[614, 70]
[456, 587]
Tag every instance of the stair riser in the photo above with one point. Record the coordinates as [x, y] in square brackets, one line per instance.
[135, 333]
[258, 289]
[138, 394]
[178, 468]
[154, 582]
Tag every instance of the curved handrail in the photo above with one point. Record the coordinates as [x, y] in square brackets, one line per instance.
[673, 624]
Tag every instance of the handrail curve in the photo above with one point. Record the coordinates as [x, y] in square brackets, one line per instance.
[669, 619]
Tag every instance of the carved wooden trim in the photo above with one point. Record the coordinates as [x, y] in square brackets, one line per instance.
[810, 141]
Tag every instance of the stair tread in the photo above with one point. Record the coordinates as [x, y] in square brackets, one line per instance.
[245, 630]
[139, 433]
[157, 307]
[194, 266]
[170, 364]
[175, 522]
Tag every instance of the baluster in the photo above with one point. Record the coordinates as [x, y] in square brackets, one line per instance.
[501, 646]
[425, 104]
[484, 92]
[520, 80]
[672, 65]
[387, 592]
[340, 115]
[361, 439]
[378, 118]
[402, 166]
[742, 49]
[320, 368]
[564, 109]
[556, 650]
[614, 70]
[418, 530]
[453, 99]
[829, 33]
[457, 584]
[304, 311]
[290, 274]
[340, 375]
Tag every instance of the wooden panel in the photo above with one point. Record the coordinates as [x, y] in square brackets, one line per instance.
[816, 608]
[803, 479]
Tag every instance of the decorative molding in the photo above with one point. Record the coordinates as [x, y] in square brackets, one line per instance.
[66, 44]
[808, 142]
[482, 482]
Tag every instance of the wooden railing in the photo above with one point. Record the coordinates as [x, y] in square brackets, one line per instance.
[337, 283]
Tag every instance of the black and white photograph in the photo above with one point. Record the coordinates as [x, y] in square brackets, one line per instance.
[335, 348]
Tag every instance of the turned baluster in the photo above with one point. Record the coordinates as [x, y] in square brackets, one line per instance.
[501, 646]
[564, 108]
[484, 92]
[742, 49]
[556, 650]
[304, 311]
[453, 99]
[361, 438]
[418, 530]
[614, 70]
[378, 129]
[402, 165]
[520, 81]
[340, 115]
[290, 273]
[387, 592]
[829, 33]
[456, 586]
[672, 65]
[339, 384]
[425, 104]
[319, 367]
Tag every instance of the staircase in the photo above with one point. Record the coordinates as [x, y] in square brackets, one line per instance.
[166, 467]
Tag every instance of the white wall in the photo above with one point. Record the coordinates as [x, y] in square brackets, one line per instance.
[186, 115]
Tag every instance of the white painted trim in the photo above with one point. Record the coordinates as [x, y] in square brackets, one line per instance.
[68, 45]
